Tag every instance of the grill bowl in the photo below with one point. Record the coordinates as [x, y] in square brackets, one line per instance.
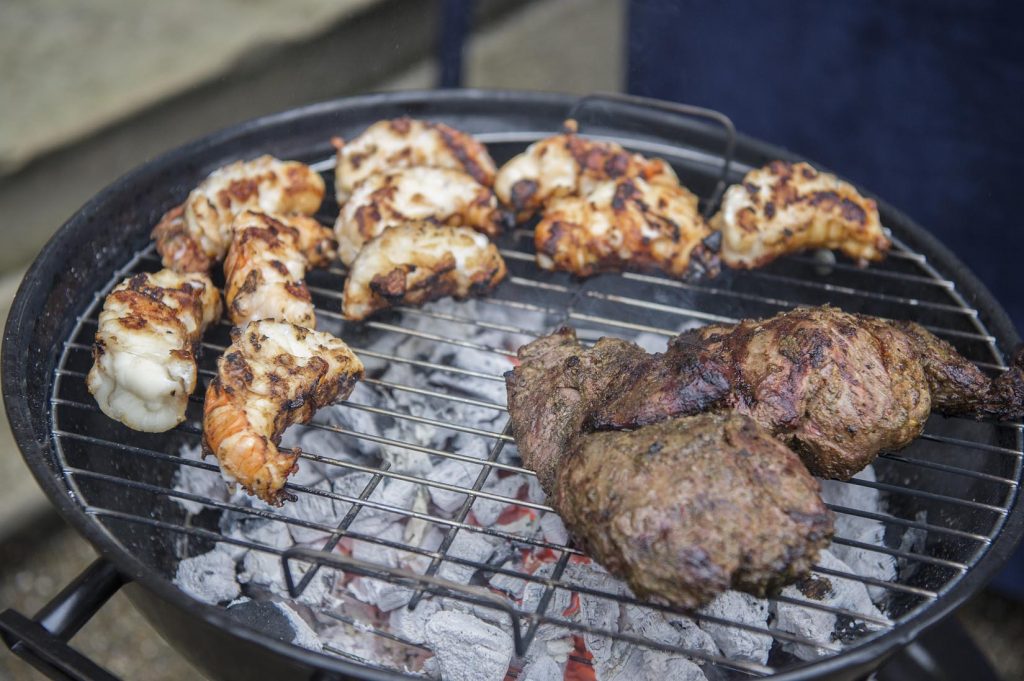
[922, 281]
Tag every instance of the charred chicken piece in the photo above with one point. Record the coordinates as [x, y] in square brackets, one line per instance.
[144, 357]
[570, 165]
[788, 207]
[266, 265]
[628, 224]
[404, 143]
[415, 263]
[437, 195]
[272, 375]
[838, 388]
[692, 506]
[195, 236]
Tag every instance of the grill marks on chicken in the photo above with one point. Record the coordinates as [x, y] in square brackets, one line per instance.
[273, 374]
[415, 263]
[570, 165]
[788, 207]
[628, 224]
[687, 508]
[144, 356]
[266, 266]
[196, 235]
[399, 143]
[438, 195]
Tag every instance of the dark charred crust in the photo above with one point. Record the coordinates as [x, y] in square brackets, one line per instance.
[467, 151]
[522, 194]
[390, 286]
[401, 126]
[298, 290]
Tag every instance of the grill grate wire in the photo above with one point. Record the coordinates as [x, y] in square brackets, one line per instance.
[595, 306]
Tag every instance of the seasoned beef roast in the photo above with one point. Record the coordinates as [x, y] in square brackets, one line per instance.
[692, 506]
[838, 388]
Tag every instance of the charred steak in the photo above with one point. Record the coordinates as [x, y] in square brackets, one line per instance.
[692, 506]
[838, 388]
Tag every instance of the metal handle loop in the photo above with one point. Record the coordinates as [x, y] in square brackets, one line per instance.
[672, 107]
[43, 640]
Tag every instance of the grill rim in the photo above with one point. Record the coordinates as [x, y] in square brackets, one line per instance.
[30, 425]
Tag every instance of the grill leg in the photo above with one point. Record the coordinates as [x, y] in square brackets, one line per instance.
[43, 640]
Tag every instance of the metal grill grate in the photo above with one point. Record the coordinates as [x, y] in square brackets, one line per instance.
[973, 469]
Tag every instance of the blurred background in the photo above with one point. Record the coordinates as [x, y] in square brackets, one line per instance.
[916, 100]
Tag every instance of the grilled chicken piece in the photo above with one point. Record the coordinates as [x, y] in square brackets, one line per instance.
[404, 143]
[415, 263]
[689, 507]
[196, 235]
[266, 266]
[628, 224]
[838, 388]
[273, 374]
[144, 357]
[788, 207]
[421, 194]
[570, 165]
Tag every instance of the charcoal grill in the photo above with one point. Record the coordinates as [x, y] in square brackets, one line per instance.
[957, 487]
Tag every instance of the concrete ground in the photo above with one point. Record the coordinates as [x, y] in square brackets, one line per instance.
[102, 85]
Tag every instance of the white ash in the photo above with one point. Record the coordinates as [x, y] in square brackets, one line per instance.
[323, 510]
[486, 511]
[209, 577]
[198, 481]
[648, 664]
[542, 668]
[392, 493]
[553, 529]
[471, 546]
[739, 644]
[452, 634]
[411, 624]
[304, 634]
[381, 554]
[385, 595]
[513, 587]
[818, 625]
[451, 472]
[861, 561]
[560, 599]
[674, 630]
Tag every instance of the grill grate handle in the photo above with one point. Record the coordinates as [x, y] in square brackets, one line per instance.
[42, 641]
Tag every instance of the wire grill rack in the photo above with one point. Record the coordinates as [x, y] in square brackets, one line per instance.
[955, 485]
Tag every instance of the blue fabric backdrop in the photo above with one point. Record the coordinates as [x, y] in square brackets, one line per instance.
[918, 100]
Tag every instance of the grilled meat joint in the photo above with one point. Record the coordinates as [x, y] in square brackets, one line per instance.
[693, 506]
[674, 508]
[836, 387]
